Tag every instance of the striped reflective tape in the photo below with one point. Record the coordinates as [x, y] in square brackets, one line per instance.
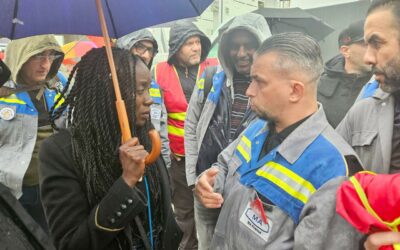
[292, 183]
[244, 147]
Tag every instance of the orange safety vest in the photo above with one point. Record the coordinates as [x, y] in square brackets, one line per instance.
[370, 203]
[175, 102]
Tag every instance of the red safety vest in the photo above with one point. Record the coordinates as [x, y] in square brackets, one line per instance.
[370, 203]
[175, 102]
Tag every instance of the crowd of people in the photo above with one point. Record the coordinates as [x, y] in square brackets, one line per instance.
[262, 147]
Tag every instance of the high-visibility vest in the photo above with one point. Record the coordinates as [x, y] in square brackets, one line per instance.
[175, 102]
[370, 203]
[288, 185]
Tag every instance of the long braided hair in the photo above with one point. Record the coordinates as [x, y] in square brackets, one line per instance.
[93, 121]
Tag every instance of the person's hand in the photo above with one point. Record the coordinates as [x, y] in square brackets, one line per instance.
[132, 156]
[204, 190]
[175, 157]
[376, 240]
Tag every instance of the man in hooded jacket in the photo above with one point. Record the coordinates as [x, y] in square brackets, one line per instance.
[188, 49]
[209, 128]
[25, 101]
[143, 44]
[345, 74]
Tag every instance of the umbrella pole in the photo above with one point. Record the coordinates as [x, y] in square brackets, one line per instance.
[120, 104]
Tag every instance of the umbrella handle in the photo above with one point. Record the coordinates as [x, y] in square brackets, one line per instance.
[155, 147]
[120, 104]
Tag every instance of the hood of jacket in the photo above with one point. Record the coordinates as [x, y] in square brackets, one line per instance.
[252, 22]
[179, 33]
[128, 41]
[335, 65]
[19, 51]
[334, 68]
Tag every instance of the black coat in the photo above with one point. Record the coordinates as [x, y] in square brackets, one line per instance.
[18, 230]
[337, 90]
[73, 223]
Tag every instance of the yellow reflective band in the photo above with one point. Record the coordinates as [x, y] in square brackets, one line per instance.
[392, 225]
[200, 83]
[176, 131]
[12, 99]
[154, 92]
[212, 89]
[244, 148]
[177, 116]
[288, 180]
[60, 102]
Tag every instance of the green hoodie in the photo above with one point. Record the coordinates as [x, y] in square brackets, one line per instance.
[19, 51]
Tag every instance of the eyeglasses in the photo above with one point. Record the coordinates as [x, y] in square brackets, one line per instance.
[141, 49]
[43, 56]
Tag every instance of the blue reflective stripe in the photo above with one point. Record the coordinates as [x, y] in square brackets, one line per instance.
[26, 106]
[369, 89]
[155, 92]
[218, 83]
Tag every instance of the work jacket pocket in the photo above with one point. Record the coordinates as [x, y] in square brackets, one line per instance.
[363, 138]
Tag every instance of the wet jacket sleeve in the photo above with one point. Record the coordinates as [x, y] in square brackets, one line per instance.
[320, 227]
[73, 224]
[165, 150]
[227, 164]
[193, 113]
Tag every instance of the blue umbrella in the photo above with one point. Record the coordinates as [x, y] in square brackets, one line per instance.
[22, 18]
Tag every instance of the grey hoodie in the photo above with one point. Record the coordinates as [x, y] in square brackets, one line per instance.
[128, 41]
[179, 33]
[252, 22]
[198, 117]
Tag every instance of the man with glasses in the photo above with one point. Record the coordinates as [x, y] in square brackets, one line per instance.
[143, 44]
[188, 49]
[25, 101]
[214, 120]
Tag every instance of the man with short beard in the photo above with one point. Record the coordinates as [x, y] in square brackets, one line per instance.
[372, 125]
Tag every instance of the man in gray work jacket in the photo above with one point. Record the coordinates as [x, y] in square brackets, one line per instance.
[276, 181]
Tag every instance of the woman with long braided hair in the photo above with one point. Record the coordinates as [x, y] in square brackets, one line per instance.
[90, 183]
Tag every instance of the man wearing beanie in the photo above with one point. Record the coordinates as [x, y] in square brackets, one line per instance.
[345, 74]
[188, 49]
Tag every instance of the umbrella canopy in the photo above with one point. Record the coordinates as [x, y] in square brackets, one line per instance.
[32, 17]
[295, 19]
[288, 20]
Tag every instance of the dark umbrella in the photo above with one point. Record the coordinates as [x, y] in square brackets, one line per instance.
[295, 19]
[288, 20]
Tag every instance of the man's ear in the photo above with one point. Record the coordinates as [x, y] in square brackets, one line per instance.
[297, 91]
[345, 51]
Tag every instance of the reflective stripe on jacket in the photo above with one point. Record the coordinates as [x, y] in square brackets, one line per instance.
[18, 136]
[289, 185]
[175, 102]
[311, 157]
